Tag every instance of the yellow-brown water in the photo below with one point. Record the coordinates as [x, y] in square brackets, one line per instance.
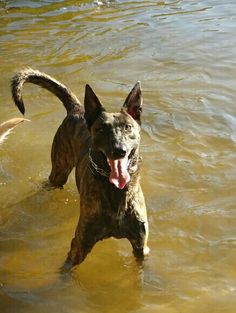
[184, 53]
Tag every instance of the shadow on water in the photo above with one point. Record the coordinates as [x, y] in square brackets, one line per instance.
[87, 289]
[34, 228]
[34, 240]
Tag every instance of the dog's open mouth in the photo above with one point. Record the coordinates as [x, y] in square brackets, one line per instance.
[119, 175]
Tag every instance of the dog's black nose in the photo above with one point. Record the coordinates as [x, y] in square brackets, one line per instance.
[118, 152]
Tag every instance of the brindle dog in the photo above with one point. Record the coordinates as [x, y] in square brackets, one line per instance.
[104, 149]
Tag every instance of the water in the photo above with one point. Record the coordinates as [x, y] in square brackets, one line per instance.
[183, 52]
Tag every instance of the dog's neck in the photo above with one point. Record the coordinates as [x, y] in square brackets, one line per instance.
[99, 166]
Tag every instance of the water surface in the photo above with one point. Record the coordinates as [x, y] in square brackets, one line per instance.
[183, 52]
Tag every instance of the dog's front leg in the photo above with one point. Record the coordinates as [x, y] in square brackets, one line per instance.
[88, 232]
[138, 240]
[77, 252]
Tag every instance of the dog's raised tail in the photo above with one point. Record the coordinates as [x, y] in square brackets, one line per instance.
[29, 75]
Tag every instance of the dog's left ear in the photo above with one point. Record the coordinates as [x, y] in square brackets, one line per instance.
[92, 105]
[133, 103]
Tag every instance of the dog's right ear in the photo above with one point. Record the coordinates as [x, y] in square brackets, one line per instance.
[92, 106]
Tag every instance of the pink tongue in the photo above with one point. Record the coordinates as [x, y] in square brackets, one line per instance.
[119, 175]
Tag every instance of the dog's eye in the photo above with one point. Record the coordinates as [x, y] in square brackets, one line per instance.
[100, 129]
[128, 127]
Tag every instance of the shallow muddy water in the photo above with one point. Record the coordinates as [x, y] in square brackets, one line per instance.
[184, 54]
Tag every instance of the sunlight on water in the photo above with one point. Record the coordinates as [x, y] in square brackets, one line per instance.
[183, 52]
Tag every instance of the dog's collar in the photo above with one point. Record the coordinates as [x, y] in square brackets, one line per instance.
[96, 169]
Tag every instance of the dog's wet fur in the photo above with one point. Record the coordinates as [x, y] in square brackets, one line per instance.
[104, 149]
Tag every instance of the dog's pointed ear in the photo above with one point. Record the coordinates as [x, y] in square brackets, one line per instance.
[133, 103]
[92, 106]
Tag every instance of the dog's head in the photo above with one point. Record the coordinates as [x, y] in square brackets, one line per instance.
[115, 135]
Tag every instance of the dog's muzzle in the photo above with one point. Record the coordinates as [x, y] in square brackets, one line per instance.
[119, 175]
[120, 169]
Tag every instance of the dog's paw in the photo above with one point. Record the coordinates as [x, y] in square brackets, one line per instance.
[48, 186]
[146, 250]
[66, 267]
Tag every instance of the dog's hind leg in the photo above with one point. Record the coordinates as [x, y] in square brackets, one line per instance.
[62, 159]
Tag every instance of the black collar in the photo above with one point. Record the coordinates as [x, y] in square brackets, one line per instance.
[95, 168]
